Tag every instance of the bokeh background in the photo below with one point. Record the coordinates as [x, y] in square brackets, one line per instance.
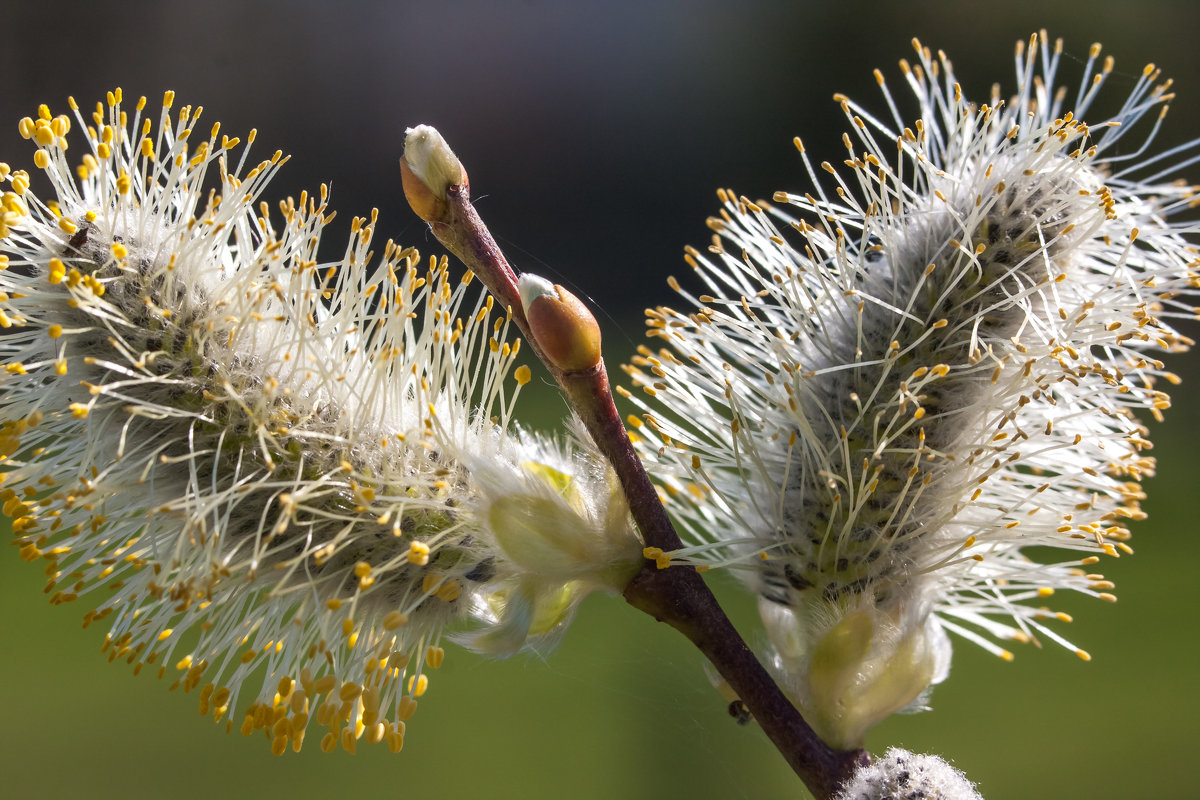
[595, 133]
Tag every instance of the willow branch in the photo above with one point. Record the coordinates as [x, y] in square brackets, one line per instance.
[566, 339]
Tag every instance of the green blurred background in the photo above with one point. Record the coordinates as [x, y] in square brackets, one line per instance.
[595, 133]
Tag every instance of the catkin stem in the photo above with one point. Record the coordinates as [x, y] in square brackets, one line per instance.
[678, 595]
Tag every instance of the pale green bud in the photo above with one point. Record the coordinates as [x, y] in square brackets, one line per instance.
[848, 669]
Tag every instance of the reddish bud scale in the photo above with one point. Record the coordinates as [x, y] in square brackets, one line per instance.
[565, 330]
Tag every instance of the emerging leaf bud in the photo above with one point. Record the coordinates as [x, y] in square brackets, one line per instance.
[849, 667]
[428, 169]
[560, 323]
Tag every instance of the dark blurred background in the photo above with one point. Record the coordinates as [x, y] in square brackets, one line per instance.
[595, 134]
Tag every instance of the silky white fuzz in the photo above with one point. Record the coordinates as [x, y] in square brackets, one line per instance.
[263, 472]
[895, 385]
[901, 775]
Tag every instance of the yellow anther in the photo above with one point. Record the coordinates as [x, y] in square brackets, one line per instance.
[347, 626]
[523, 375]
[417, 684]
[434, 657]
[418, 553]
[43, 134]
[449, 591]
[394, 619]
[375, 733]
[41, 159]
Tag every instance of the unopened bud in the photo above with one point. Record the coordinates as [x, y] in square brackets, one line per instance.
[428, 169]
[854, 667]
[561, 325]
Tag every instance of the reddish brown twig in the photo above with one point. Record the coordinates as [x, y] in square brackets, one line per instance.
[437, 188]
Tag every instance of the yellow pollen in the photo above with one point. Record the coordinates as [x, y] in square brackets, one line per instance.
[406, 708]
[418, 553]
[434, 657]
[449, 591]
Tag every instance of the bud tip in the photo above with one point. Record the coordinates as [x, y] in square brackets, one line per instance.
[429, 168]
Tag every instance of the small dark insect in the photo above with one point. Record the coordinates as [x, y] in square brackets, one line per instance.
[78, 240]
[740, 713]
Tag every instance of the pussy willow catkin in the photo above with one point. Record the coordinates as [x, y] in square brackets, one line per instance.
[896, 383]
